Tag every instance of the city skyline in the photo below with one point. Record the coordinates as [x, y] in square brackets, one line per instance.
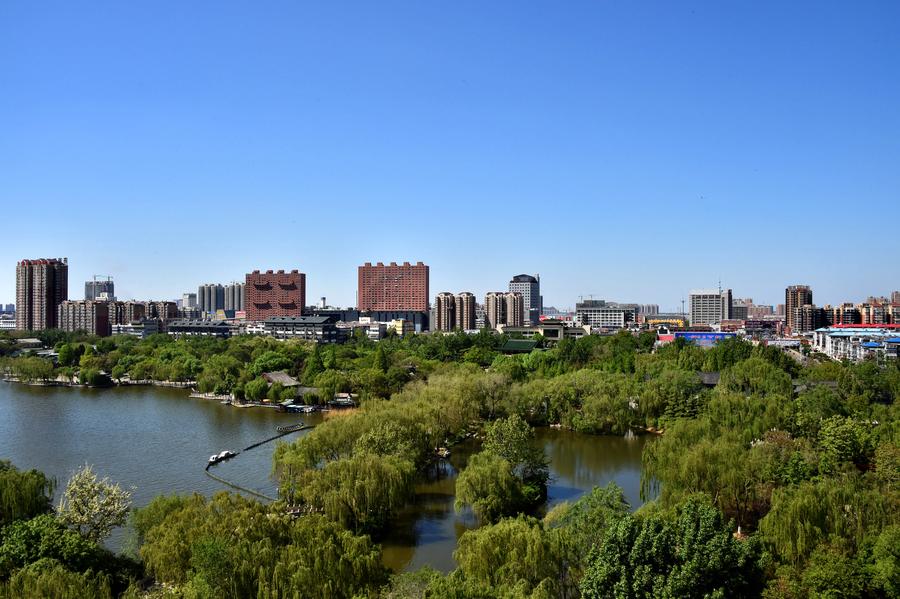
[632, 153]
[312, 297]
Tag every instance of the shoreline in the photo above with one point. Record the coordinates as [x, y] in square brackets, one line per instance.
[187, 385]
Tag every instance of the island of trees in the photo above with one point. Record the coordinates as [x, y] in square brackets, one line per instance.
[781, 481]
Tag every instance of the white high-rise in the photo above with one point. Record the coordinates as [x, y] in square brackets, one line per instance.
[710, 306]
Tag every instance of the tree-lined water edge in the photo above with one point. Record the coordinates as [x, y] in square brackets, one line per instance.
[157, 440]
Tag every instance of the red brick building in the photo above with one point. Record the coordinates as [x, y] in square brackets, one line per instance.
[393, 287]
[274, 294]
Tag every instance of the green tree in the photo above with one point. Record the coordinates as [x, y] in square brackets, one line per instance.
[489, 486]
[313, 367]
[48, 578]
[256, 389]
[270, 361]
[586, 521]
[26, 541]
[513, 440]
[380, 360]
[23, 495]
[694, 555]
[518, 554]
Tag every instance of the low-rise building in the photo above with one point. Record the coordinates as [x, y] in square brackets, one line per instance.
[857, 342]
[141, 328]
[184, 327]
[322, 329]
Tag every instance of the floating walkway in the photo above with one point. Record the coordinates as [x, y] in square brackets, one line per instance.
[282, 432]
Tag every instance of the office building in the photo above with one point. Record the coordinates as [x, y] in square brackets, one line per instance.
[269, 294]
[9, 309]
[710, 306]
[189, 300]
[600, 314]
[84, 315]
[794, 297]
[392, 287]
[504, 308]
[41, 286]
[530, 289]
[93, 289]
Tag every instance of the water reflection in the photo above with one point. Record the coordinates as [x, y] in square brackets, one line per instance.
[428, 530]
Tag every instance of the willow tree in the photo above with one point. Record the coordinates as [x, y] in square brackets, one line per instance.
[520, 554]
[233, 547]
[23, 495]
[360, 492]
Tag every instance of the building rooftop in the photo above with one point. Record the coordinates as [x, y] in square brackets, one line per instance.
[523, 279]
[300, 319]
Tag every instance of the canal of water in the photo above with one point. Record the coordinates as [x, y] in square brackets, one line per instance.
[157, 441]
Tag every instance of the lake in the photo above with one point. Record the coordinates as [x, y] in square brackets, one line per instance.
[157, 440]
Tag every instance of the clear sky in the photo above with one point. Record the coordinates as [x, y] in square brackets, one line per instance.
[628, 150]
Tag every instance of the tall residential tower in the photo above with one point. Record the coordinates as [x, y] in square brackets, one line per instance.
[41, 286]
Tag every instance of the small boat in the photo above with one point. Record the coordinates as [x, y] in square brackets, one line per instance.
[221, 457]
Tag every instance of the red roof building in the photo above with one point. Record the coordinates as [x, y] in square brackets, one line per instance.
[274, 294]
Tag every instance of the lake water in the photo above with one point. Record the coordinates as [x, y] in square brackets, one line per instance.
[157, 441]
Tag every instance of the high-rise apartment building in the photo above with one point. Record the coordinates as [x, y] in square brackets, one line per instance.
[504, 308]
[162, 310]
[453, 312]
[84, 315]
[795, 296]
[806, 318]
[270, 293]
[123, 313]
[234, 296]
[895, 298]
[710, 306]
[530, 289]
[41, 286]
[392, 287]
[188, 300]
[465, 311]
[211, 297]
[444, 312]
[93, 289]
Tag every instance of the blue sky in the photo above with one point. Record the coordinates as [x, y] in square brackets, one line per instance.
[629, 150]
